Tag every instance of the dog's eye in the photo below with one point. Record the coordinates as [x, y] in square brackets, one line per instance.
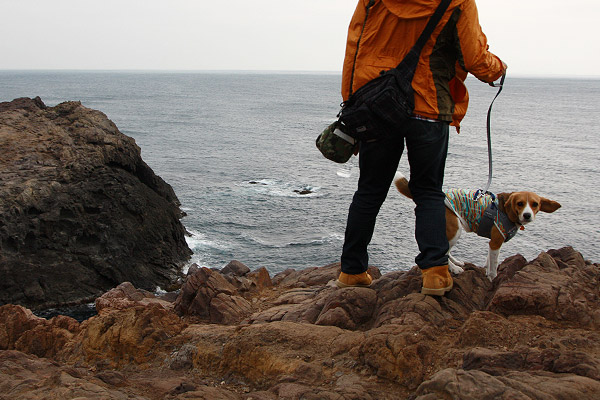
[535, 204]
[521, 204]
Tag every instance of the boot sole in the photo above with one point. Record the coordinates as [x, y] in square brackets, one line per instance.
[436, 292]
[343, 285]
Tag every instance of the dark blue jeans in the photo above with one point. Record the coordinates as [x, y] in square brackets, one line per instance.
[427, 145]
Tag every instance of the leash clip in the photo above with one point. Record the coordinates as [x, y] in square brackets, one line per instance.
[479, 193]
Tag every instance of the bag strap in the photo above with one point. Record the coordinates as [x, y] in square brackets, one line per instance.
[412, 57]
[433, 22]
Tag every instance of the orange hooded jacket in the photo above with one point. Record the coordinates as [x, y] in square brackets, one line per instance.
[456, 46]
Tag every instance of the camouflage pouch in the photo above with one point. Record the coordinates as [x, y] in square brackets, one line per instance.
[335, 145]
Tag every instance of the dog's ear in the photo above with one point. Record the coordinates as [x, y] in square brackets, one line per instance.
[548, 205]
[506, 206]
[503, 200]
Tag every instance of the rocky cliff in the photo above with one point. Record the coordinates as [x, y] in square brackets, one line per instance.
[80, 211]
[532, 333]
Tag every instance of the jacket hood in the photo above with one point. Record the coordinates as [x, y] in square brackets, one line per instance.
[410, 9]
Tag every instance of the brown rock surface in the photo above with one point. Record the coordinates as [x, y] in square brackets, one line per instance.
[303, 338]
[80, 211]
[208, 294]
[126, 296]
[23, 331]
[557, 285]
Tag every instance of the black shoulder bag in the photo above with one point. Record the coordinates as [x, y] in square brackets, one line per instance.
[388, 100]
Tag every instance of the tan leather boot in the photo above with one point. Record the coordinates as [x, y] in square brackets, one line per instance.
[436, 280]
[358, 280]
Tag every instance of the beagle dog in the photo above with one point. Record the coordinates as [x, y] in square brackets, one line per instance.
[497, 218]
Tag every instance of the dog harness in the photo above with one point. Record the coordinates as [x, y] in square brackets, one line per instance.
[479, 213]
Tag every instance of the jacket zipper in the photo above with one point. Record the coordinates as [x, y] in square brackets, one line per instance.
[371, 3]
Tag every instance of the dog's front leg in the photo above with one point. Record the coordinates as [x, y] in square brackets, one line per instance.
[453, 231]
[491, 264]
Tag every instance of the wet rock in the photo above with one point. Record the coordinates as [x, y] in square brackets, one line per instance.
[80, 211]
[303, 191]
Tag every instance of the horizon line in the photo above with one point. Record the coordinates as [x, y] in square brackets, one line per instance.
[261, 71]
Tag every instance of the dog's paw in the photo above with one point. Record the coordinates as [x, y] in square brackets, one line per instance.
[491, 272]
[455, 269]
[455, 261]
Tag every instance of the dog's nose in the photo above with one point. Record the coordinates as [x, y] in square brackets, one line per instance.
[527, 216]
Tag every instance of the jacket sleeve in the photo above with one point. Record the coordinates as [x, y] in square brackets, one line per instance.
[474, 55]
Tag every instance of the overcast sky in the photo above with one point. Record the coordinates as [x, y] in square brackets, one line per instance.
[534, 37]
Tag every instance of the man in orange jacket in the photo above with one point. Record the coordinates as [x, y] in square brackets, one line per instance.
[381, 32]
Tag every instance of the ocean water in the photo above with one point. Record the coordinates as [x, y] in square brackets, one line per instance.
[238, 148]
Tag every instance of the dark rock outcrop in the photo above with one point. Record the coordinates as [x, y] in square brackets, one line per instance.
[80, 211]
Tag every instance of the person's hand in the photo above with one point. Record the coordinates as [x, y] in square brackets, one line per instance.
[504, 68]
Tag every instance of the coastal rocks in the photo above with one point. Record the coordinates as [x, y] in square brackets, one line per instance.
[348, 309]
[126, 296]
[478, 385]
[131, 336]
[24, 376]
[302, 337]
[80, 211]
[207, 294]
[23, 331]
[558, 285]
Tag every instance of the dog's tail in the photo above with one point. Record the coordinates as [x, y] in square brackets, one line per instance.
[402, 185]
